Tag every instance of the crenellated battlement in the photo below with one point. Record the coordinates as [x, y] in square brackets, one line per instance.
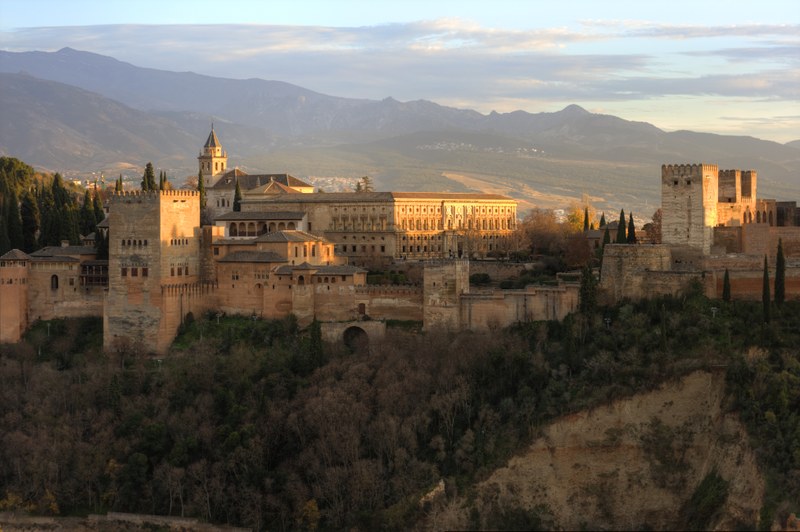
[140, 196]
[675, 174]
[388, 290]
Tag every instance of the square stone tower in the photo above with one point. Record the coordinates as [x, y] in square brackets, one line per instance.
[689, 198]
[154, 245]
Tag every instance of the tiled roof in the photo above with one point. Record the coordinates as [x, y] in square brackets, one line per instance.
[291, 236]
[15, 254]
[470, 196]
[343, 269]
[103, 223]
[260, 215]
[249, 182]
[252, 256]
[371, 197]
[50, 258]
[51, 251]
[273, 187]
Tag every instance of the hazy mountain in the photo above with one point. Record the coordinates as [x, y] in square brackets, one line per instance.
[135, 114]
[59, 127]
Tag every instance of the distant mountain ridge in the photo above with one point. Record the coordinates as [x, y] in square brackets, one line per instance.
[130, 115]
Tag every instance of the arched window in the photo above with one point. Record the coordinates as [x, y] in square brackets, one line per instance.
[758, 217]
[291, 225]
[301, 280]
[233, 230]
[54, 282]
[770, 217]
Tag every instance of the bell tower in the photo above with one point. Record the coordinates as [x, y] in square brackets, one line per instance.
[213, 160]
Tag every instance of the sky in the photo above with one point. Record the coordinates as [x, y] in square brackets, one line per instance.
[714, 66]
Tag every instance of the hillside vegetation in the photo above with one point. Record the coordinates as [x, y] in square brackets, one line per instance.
[258, 424]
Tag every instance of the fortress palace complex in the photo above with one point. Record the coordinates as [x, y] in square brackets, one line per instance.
[289, 250]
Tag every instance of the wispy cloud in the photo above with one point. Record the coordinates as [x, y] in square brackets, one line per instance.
[456, 60]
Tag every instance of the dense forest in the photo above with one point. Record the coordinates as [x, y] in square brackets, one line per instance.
[261, 424]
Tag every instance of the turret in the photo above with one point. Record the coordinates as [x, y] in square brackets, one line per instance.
[213, 160]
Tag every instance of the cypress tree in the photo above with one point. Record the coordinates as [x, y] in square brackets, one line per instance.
[603, 219]
[237, 198]
[780, 275]
[621, 236]
[118, 187]
[765, 291]
[585, 219]
[30, 222]
[87, 221]
[201, 189]
[606, 237]
[631, 230]
[13, 221]
[149, 178]
[101, 245]
[726, 287]
[97, 207]
[588, 291]
[5, 243]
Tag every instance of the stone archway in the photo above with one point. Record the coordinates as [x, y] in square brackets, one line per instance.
[356, 339]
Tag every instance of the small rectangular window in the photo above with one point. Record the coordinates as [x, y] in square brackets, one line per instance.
[144, 272]
[216, 251]
[134, 272]
[124, 272]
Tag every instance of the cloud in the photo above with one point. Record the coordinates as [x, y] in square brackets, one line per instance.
[456, 61]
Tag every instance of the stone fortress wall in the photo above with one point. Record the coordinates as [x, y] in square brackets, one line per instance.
[712, 221]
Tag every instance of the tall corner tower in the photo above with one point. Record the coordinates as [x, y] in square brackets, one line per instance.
[14, 269]
[213, 160]
[689, 197]
[444, 282]
[147, 262]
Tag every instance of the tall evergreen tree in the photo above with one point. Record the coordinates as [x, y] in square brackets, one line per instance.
[101, 245]
[603, 219]
[237, 198]
[87, 221]
[14, 221]
[621, 236]
[726, 287]
[606, 237]
[29, 212]
[118, 187]
[5, 242]
[59, 215]
[97, 207]
[201, 189]
[149, 178]
[585, 219]
[765, 291]
[780, 275]
[588, 291]
[631, 230]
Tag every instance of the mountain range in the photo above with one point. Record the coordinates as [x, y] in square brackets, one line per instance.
[79, 112]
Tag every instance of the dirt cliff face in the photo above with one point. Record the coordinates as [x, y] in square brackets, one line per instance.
[632, 464]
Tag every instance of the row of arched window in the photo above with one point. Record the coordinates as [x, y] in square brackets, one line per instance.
[133, 242]
[253, 229]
